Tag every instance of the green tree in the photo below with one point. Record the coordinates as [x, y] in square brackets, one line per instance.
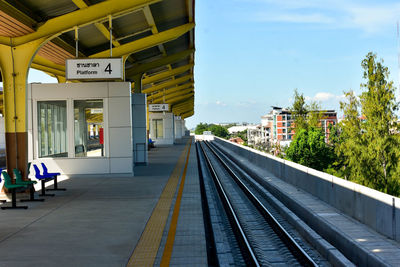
[200, 128]
[305, 115]
[370, 146]
[347, 140]
[314, 115]
[219, 131]
[299, 111]
[309, 148]
[241, 134]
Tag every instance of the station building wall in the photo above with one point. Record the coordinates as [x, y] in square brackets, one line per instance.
[164, 121]
[178, 128]
[117, 126]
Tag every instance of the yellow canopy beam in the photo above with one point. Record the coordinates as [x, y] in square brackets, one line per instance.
[150, 20]
[172, 95]
[100, 26]
[174, 89]
[182, 110]
[47, 69]
[167, 84]
[167, 74]
[187, 114]
[183, 104]
[40, 63]
[189, 103]
[46, 65]
[147, 42]
[45, 62]
[179, 98]
[142, 68]
[82, 17]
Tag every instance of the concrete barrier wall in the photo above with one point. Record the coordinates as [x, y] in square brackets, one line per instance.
[378, 210]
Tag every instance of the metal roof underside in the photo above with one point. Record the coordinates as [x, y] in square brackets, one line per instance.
[21, 17]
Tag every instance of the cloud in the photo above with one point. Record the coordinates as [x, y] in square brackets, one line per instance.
[352, 14]
[220, 103]
[248, 103]
[373, 18]
[325, 97]
[296, 18]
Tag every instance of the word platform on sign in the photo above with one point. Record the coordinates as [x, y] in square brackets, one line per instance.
[94, 68]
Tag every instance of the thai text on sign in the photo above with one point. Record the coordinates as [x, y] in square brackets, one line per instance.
[94, 68]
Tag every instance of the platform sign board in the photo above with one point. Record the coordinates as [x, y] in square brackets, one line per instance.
[158, 107]
[94, 68]
[178, 117]
[96, 111]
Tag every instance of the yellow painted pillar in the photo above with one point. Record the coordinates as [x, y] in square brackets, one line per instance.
[61, 79]
[14, 63]
[137, 87]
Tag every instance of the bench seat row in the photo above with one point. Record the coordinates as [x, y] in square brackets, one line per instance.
[21, 185]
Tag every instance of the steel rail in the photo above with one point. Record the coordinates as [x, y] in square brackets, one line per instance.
[244, 245]
[212, 258]
[293, 246]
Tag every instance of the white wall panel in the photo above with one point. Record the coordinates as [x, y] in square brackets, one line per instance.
[120, 144]
[121, 165]
[117, 124]
[119, 112]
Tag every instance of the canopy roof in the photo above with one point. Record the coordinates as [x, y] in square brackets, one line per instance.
[155, 37]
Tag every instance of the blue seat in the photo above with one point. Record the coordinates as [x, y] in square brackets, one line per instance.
[54, 175]
[47, 173]
[43, 178]
[49, 176]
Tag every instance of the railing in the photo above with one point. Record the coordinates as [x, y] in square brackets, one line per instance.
[379, 211]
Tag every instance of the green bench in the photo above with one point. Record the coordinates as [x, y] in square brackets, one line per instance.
[29, 183]
[12, 187]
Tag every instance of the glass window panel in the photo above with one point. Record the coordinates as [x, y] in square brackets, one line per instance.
[52, 139]
[88, 120]
[157, 128]
[160, 129]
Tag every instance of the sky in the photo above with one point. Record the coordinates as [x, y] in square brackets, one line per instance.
[252, 54]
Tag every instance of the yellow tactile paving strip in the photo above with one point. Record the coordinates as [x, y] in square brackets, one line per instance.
[147, 247]
[166, 257]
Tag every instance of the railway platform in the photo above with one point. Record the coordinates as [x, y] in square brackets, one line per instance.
[155, 218]
[114, 220]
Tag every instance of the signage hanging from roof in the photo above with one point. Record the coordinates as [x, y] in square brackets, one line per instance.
[158, 107]
[94, 68]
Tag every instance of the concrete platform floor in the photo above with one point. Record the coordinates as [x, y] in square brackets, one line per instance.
[99, 220]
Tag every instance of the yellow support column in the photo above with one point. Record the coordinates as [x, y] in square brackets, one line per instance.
[61, 79]
[14, 63]
[137, 87]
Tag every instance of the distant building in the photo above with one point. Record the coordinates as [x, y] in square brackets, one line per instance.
[278, 124]
[237, 140]
[237, 129]
[240, 128]
[227, 123]
[254, 135]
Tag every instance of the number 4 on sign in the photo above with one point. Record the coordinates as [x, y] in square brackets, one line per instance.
[108, 68]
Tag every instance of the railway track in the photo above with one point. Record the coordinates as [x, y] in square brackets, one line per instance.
[241, 228]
